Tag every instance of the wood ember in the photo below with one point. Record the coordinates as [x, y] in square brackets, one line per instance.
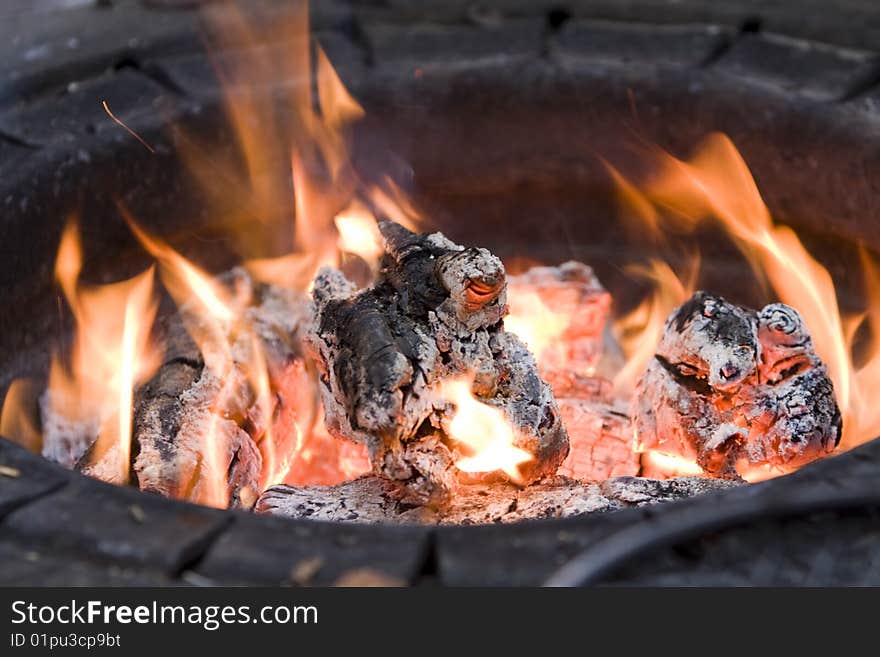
[731, 388]
[572, 292]
[373, 499]
[601, 436]
[198, 432]
[433, 313]
[599, 428]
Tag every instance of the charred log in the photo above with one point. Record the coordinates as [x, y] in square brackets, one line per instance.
[200, 430]
[383, 353]
[734, 389]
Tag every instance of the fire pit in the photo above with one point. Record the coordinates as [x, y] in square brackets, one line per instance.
[323, 369]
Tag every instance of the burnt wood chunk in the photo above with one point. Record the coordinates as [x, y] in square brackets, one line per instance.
[384, 354]
[598, 427]
[733, 389]
[65, 439]
[601, 436]
[201, 432]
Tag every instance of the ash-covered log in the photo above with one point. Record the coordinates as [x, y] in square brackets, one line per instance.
[733, 389]
[206, 433]
[373, 499]
[385, 353]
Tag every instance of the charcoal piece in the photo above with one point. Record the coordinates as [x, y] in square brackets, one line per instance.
[733, 389]
[383, 354]
[794, 414]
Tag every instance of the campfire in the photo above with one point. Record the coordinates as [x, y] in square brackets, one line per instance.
[372, 369]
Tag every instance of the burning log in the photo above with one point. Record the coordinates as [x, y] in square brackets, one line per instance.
[600, 432]
[387, 356]
[373, 499]
[734, 389]
[218, 434]
[561, 313]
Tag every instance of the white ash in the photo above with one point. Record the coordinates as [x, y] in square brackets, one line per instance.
[65, 439]
[372, 499]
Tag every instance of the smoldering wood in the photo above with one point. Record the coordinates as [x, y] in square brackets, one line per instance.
[197, 432]
[731, 388]
[601, 435]
[572, 291]
[373, 499]
[433, 313]
[599, 428]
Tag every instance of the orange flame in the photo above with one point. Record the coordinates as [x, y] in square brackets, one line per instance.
[111, 353]
[18, 420]
[659, 465]
[291, 200]
[483, 430]
[639, 331]
[717, 183]
[310, 210]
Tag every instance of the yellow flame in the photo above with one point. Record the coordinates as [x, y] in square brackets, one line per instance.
[359, 234]
[484, 430]
[537, 325]
[288, 195]
[670, 465]
[717, 182]
[276, 463]
[184, 280]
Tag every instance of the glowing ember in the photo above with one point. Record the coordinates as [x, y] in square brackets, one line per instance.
[482, 430]
[539, 326]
